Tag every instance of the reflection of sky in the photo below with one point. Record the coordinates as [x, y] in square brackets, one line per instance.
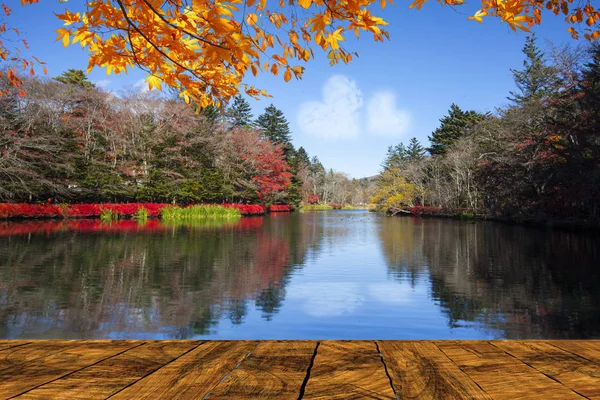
[345, 292]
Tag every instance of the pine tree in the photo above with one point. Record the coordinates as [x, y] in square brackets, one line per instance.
[75, 77]
[453, 126]
[414, 150]
[302, 157]
[240, 112]
[275, 127]
[395, 157]
[536, 80]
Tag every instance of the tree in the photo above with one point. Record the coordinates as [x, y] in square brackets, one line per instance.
[414, 150]
[206, 47]
[275, 127]
[395, 157]
[75, 77]
[240, 112]
[453, 126]
[536, 80]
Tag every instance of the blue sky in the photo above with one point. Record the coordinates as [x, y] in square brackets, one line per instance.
[348, 115]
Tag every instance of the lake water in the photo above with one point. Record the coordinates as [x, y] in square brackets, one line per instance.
[321, 275]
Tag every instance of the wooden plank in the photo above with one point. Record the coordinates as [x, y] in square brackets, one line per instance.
[107, 377]
[21, 378]
[589, 349]
[274, 370]
[502, 376]
[33, 350]
[348, 370]
[192, 375]
[579, 374]
[419, 370]
[7, 344]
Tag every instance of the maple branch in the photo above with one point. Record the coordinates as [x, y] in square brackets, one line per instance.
[142, 34]
[183, 30]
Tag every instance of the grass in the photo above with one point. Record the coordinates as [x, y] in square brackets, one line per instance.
[141, 214]
[109, 216]
[199, 212]
[466, 215]
[316, 207]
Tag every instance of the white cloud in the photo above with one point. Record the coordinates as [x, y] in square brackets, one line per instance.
[384, 118]
[337, 115]
[393, 293]
[103, 84]
[141, 85]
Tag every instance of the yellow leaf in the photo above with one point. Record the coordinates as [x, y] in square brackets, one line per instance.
[251, 19]
[153, 82]
[274, 69]
[64, 35]
[254, 69]
[287, 75]
[305, 3]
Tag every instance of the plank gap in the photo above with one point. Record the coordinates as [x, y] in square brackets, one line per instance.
[385, 367]
[307, 377]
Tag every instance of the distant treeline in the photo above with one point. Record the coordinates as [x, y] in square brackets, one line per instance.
[536, 159]
[71, 142]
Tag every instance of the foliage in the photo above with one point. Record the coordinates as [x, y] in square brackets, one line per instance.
[536, 160]
[240, 112]
[280, 208]
[198, 212]
[75, 77]
[205, 48]
[316, 207]
[109, 215]
[453, 126]
[536, 80]
[141, 214]
[394, 191]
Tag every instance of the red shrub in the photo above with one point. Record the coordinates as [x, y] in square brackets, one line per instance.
[426, 210]
[247, 209]
[336, 206]
[280, 208]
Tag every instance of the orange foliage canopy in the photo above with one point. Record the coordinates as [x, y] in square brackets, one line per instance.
[205, 47]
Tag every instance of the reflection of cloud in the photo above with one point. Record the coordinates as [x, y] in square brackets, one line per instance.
[337, 114]
[327, 299]
[392, 293]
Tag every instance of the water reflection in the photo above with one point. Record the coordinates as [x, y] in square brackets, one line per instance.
[522, 282]
[334, 275]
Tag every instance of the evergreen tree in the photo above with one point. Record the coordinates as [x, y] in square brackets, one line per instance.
[211, 113]
[240, 112]
[75, 77]
[535, 80]
[275, 127]
[415, 151]
[302, 157]
[453, 127]
[395, 157]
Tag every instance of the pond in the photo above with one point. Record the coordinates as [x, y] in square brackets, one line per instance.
[319, 275]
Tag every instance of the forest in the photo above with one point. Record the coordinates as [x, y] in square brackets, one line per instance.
[63, 140]
[535, 159]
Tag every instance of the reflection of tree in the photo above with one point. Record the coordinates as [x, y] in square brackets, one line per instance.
[176, 281]
[525, 282]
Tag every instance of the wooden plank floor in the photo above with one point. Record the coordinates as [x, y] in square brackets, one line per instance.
[300, 369]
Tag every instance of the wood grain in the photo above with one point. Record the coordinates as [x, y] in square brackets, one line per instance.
[348, 370]
[419, 370]
[21, 378]
[588, 349]
[579, 374]
[192, 375]
[274, 370]
[107, 377]
[21, 354]
[7, 344]
[502, 376]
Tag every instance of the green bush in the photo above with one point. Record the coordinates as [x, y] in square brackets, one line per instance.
[316, 207]
[141, 214]
[466, 215]
[109, 216]
[198, 212]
